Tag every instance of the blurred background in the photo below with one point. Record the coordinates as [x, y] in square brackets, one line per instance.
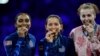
[39, 10]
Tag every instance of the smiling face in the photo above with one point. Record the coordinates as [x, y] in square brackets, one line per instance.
[23, 20]
[54, 25]
[87, 16]
[87, 12]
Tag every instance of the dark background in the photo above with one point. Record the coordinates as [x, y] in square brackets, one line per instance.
[39, 10]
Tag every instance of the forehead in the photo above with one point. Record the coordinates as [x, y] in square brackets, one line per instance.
[53, 19]
[24, 16]
[86, 11]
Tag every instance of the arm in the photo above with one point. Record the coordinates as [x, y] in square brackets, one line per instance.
[8, 47]
[10, 50]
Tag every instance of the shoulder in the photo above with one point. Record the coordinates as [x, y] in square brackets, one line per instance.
[65, 38]
[76, 29]
[8, 40]
[10, 37]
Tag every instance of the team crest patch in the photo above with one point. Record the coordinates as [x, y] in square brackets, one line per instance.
[62, 49]
[31, 43]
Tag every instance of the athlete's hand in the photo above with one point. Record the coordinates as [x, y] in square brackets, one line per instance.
[22, 31]
[50, 36]
[89, 28]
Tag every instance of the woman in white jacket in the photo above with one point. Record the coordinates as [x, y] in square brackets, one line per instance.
[87, 36]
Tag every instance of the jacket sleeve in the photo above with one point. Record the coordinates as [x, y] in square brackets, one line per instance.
[10, 49]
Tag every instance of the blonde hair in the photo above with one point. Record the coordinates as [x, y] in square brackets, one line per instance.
[88, 6]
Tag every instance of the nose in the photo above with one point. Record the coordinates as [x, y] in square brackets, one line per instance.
[86, 18]
[52, 26]
[24, 23]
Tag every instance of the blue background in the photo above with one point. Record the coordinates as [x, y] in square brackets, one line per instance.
[39, 10]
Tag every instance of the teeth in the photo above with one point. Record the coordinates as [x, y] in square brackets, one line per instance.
[27, 26]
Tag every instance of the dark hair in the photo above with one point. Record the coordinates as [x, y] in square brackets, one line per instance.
[21, 14]
[88, 6]
[54, 16]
